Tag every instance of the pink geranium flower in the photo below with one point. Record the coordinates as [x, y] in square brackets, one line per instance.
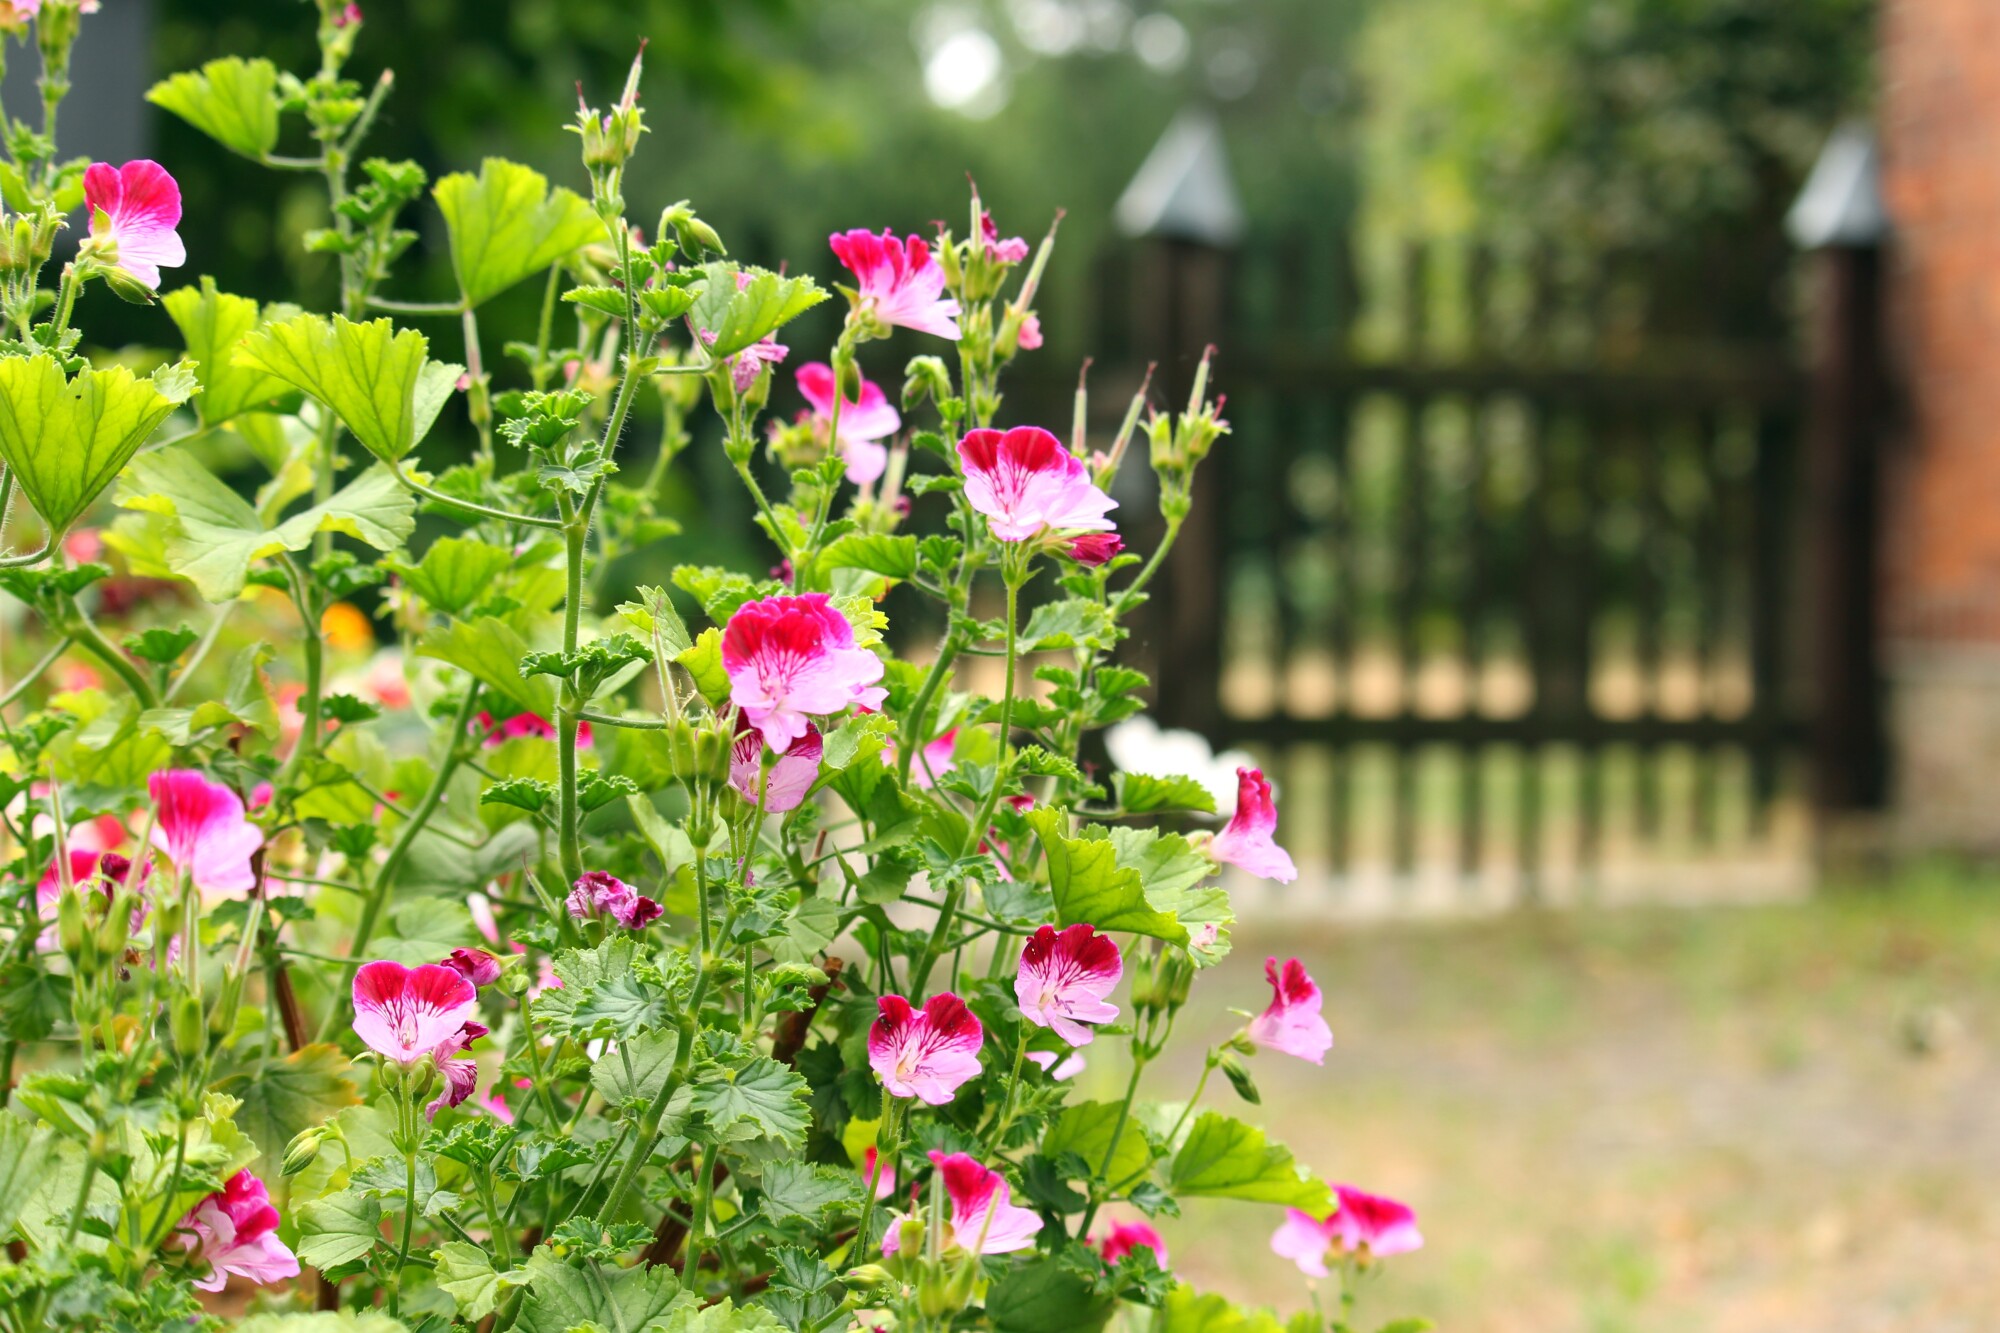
[475, 965]
[200, 826]
[1125, 1237]
[863, 421]
[135, 208]
[898, 283]
[100, 872]
[883, 1174]
[984, 1219]
[1094, 548]
[602, 894]
[1063, 979]
[1367, 1226]
[1292, 1023]
[460, 1071]
[789, 780]
[932, 762]
[1029, 337]
[790, 658]
[925, 1053]
[235, 1231]
[1026, 483]
[1247, 843]
[1059, 1068]
[1010, 251]
[523, 724]
[406, 1013]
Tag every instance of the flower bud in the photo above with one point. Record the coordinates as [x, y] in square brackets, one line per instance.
[71, 930]
[1239, 1078]
[925, 377]
[867, 1275]
[116, 929]
[303, 1150]
[128, 288]
[188, 1026]
[697, 239]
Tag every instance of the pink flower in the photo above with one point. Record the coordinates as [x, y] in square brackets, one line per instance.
[1094, 548]
[932, 762]
[523, 724]
[481, 909]
[789, 658]
[234, 1231]
[925, 1053]
[494, 1103]
[899, 283]
[1059, 1068]
[201, 828]
[262, 795]
[862, 422]
[475, 965]
[601, 894]
[1064, 978]
[1247, 842]
[460, 1072]
[1292, 1023]
[884, 1178]
[16, 13]
[1125, 1237]
[1365, 1225]
[135, 208]
[1010, 251]
[1029, 336]
[789, 780]
[406, 1013]
[1026, 483]
[984, 1220]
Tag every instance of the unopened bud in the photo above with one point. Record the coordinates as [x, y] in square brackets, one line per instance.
[71, 930]
[925, 377]
[303, 1150]
[697, 239]
[1239, 1078]
[188, 1026]
[128, 288]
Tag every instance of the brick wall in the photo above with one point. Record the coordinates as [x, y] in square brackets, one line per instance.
[1940, 136]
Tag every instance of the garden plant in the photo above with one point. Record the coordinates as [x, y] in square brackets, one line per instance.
[589, 957]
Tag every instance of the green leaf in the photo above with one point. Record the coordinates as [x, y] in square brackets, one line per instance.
[1090, 886]
[652, 1060]
[1184, 1311]
[216, 535]
[23, 1160]
[338, 1230]
[530, 794]
[466, 1271]
[283, 1096]
[1046, 1295]
[233, 101]
[342, 1321]
[804, 1190]
[739, 318]
[1074, 622]
[490, 652]
[704, 663]
[455, 573]
[1086, 1128]
[764, 1099]
[162, 647]
[891, 557]
[505, 225]
[1171, 872]
[1143, 794]
[66, 439]
[1223, 1158]
[213, 323]
[376, 379]
[562, 1298]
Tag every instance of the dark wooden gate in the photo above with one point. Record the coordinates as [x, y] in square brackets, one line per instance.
[1508, 565]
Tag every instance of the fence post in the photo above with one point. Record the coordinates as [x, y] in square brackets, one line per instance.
[1840, 221]
[1183, 205]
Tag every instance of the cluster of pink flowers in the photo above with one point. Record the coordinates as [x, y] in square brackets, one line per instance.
[234, 1231]
[899, 284]
[600, 895]
[405, 1014]
[792, 658]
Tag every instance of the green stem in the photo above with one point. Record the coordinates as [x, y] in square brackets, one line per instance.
[472, 507]
[1152, 567]
[569, 710]
[201, 651]
[1006, 1117]
[649, 1121]
[22, 685]
[948, 650]
[1117, 1133]
[417, 307]
[409, 1222]
[91, 639]
[542, 1089]
[888, 1148]
[697, 1237]
[371, 911]
[503, 1239]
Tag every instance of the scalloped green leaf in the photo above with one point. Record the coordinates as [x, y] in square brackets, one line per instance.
[490, 651]
[455, 572]
[233, 101]
[212, 323]
[1090, 886]
[1224, 1158]
[376, 378]
[65, 439]
[506, 224]
[740, 316]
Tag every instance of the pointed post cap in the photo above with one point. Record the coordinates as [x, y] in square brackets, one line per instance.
[1841, 204]
[1184, 191]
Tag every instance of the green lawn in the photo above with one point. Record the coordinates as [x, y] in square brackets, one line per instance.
[1730, 1119]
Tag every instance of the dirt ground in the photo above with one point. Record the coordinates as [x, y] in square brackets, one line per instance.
[1732, 1120]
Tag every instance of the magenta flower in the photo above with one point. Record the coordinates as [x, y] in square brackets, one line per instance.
[863, 422]
[1367, 1226]
[200, 826]
[103, 872]
[1094, 548]
[235, 1231]
[1010, 251]
[406, 1013]
[460, 1071]
[601, 894]
[1063, 979]
[523, 724]
[883, 1174]
[1026, 483]
[984, 1220]
[1029, 337]
[1292, 1023]
[134, 210]
[898, 283]
[790, 658]
[1247, 843]
[1125, 1237]
[789, 780]
[925, 1053]
[475, 965]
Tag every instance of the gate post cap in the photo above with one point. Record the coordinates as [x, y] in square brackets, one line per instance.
[1841, 204]
[1184, 190]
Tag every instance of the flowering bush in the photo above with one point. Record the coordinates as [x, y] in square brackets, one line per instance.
[702, 966]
